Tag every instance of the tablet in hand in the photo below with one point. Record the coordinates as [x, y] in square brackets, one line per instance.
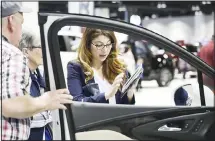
[131, 81]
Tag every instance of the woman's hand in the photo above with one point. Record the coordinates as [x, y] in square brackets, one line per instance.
[115, 86]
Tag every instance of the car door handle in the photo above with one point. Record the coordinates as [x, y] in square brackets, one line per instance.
[166, 128]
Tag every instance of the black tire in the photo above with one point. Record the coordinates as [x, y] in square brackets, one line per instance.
[164, 77]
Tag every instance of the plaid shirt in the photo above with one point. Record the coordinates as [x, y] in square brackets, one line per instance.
[15, 82]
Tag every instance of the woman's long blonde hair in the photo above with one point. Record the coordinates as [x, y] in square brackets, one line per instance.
[111, 66]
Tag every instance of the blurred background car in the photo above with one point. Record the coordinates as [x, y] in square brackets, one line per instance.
[157, 64]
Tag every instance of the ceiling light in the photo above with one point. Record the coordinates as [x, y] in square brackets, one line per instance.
[161, 5]
[208, 2]
[164, 5]
[135, 19]
[122, 8]
[195, 8]
[204, 2]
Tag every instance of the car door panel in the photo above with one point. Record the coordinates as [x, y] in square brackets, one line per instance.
[186, 127]
[143, 123]
[104, 113]
[134, 121]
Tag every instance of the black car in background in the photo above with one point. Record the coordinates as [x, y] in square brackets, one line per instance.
[157, 64]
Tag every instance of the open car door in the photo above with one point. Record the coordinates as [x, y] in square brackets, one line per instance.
[136, 122]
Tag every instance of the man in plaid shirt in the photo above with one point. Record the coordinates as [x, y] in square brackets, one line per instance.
[17, 105]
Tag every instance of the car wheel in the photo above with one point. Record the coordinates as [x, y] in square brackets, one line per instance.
[164, 78]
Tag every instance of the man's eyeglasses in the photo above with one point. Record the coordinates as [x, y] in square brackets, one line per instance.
[32, 47]
[36, 47]
[102, 46]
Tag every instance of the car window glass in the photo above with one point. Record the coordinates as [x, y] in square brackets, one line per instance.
[164, 77]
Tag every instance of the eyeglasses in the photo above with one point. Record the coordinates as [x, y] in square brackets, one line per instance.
[102, 46]
[36, 47]
[33, 47]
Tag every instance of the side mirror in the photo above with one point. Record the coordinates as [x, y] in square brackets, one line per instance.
[189, 95]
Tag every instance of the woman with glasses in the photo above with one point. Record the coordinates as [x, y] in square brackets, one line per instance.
[97, 75]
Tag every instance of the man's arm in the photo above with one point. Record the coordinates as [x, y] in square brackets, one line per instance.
[27, 106]
[16, 101]
[22, 106]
